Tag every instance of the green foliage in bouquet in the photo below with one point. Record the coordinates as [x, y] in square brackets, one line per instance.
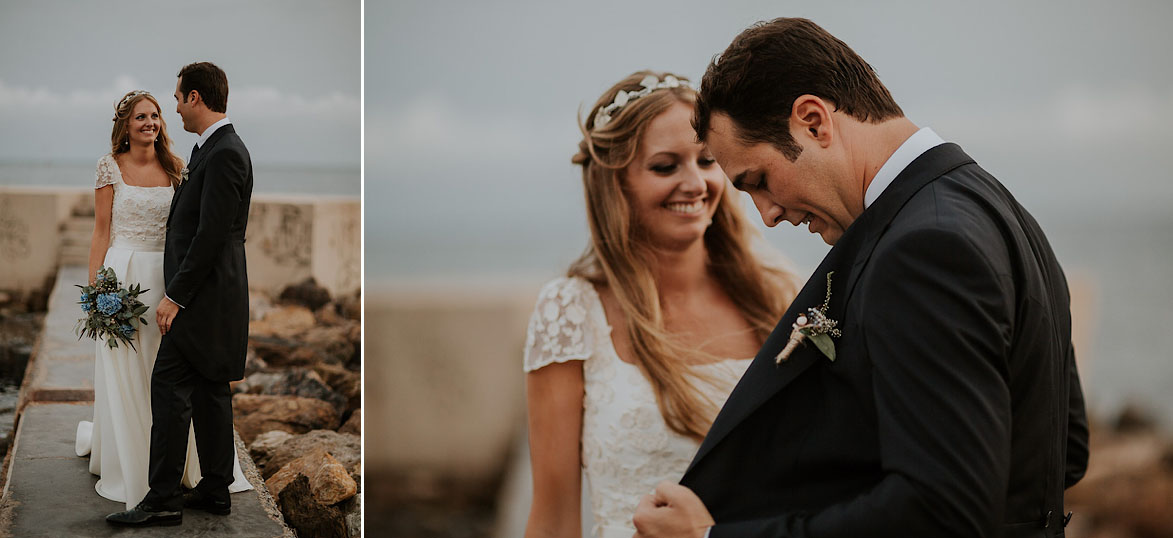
[112, 312]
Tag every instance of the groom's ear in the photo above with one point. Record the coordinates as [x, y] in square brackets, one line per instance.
[811, 115]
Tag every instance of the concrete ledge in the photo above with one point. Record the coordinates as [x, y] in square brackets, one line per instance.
[50, 491]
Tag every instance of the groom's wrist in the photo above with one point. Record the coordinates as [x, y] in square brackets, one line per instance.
[177, 304]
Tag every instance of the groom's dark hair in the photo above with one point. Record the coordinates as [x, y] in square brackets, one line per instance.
[207, 79]
[769, 65]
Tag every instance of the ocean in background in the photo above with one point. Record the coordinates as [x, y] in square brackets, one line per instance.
[1118, 258]
[267, 178]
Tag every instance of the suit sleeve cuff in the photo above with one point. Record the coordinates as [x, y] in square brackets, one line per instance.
[181, 306]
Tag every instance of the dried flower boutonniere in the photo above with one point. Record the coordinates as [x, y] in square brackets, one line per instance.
[816, 326]
[183, 175]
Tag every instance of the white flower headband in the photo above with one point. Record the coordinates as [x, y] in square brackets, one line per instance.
[650, 83]
[132, 95]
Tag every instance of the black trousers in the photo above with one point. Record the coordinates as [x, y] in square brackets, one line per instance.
[181, 396]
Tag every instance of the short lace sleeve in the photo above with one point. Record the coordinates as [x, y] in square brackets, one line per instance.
[561, 328]
[106, 171]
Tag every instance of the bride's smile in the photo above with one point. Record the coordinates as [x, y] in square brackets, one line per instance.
[144, 123]
[673, 182]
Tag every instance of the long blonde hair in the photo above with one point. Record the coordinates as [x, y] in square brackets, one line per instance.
[120, 135]
[620, 257]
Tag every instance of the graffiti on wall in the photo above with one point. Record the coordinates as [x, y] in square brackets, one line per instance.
[284, 232]
[14, 234]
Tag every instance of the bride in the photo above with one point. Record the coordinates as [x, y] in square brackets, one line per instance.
[135, 182]
[631, 355]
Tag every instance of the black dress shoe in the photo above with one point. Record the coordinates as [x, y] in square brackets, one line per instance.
[198, 501]
[142, 516]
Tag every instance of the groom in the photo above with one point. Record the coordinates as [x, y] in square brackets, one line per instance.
[204, 314]
[949, 404]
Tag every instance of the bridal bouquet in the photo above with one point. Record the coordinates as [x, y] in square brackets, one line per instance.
[112, 312]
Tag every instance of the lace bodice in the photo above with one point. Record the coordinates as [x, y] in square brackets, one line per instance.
[626, 447]
[139, 214]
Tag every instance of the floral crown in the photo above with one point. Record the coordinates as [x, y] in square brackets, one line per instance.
[130, 96]
[650, 84]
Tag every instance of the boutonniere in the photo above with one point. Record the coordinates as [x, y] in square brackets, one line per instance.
[816, 326]
[183, 175]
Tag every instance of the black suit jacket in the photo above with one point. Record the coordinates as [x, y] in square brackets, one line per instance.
[204, 263]
[953, 407]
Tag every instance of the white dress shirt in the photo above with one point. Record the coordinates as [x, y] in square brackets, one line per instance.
[211, 129]
[920, 142]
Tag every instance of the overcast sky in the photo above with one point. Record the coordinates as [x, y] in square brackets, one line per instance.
[293, 69]
[471, 106]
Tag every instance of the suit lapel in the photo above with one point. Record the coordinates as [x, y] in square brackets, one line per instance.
[931, 165]
[764, 378]
[198, 159]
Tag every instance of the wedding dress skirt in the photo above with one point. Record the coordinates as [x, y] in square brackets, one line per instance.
[119, 438]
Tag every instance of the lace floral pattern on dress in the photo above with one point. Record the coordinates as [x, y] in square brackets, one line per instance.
[558, 329]
[626, 446]
[142, 211]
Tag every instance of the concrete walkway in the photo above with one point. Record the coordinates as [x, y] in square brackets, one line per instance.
[48, 490]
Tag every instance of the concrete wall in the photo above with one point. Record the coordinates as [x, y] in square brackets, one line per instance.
[289, 238]
[29, 237]
[445, 393]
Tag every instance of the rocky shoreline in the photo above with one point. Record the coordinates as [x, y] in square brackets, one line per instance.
[298, 409]
[1128, 488]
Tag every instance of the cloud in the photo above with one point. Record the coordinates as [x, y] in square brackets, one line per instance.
[269, 102]
[1074, 115]
[1127, 111]
[431, 127]
[254, 101]
[18, 98]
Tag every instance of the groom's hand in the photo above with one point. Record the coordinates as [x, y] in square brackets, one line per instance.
[165, 314]
[672, 510]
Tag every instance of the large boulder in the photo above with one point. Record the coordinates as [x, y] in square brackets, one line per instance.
[344, 381]
[260, 382]
[307, 383]
[255, 414]
[307, 293]
[329, 481]
[273, 350]
[286, 321]
[265, 445]
[345, 447]
[1130, 484]
[309, 346]
[305, 514]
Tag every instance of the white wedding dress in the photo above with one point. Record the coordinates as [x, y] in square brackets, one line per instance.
[627, 448]
[118, 440]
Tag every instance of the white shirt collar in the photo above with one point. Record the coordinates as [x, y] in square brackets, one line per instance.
[211, 129]
[920, 142]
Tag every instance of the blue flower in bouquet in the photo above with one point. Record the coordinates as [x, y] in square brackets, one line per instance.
[85, 297]
[109, 303]
[126, 330]
[85, 307]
